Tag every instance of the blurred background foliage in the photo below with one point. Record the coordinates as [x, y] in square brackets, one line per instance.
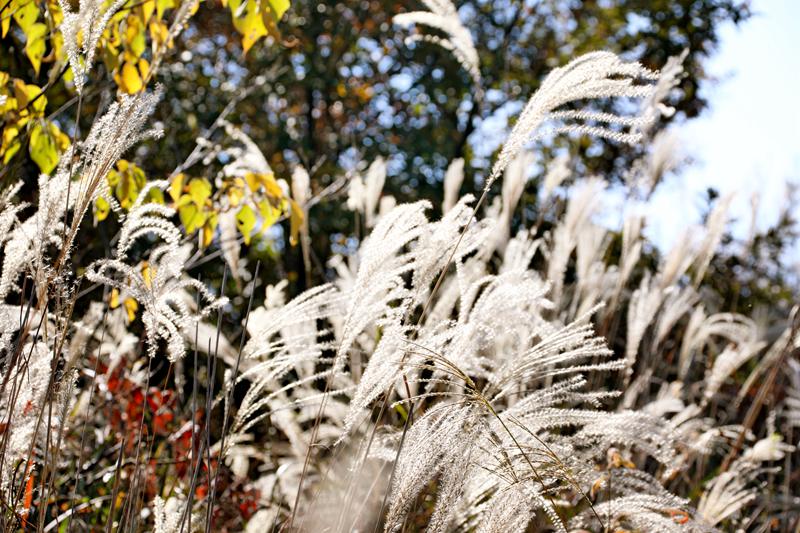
[331, 87]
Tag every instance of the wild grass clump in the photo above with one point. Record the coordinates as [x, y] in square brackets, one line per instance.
[462, 372]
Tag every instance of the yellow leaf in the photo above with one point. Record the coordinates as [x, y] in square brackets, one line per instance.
[130, 82]
[271, 13]
[62, 139]
[11, 144]
[163, 5]
[278, 7]
[156, 196]
[147, 274]
[113, 37]
[144, 68]
[271, 186]
[113, 178]
[5, 23]
[269, 214]
[176, 187]
[148, 6]
[57, 43]
[35, 44]
[134, 36]
[25, 13]
[206, 235]
[248, 21]
[130, 307]
[252, 181]
[43, 148]
[235, 195]
[207, 232]
[126, 181]
[114, 303]
[101, 209]
[29, 98]
[54, 11]
[246, 221]
[7, 105]
[189, 215]
[400, 409]
[158, 32]
[124, 190]
[199, 190]
[295, 221]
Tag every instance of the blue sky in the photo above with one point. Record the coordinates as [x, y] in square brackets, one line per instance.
[749, 139]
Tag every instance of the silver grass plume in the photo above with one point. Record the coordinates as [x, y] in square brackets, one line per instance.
[168, 514]
[89, 23]
[160, 285]
[27, 387]
[373, 186]
[432, 249]
[631, 245]
[726, 363]
[284, 338]
[453, 179]
[516, 175]
[382, 264]
[677, 303]
[715, 226]
[442, 16]
[644, 305]
[677, 261]
[557, 172]
[727, 494]
[591, 76]
[583, 204]
[8, 211]
[662, 158]
[671, 75]
[111, 136]
[703, 330]
[26, 244]
[245, 158]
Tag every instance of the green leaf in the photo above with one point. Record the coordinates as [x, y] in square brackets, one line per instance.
[246, 221]
[400, 409]
[156, 195]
